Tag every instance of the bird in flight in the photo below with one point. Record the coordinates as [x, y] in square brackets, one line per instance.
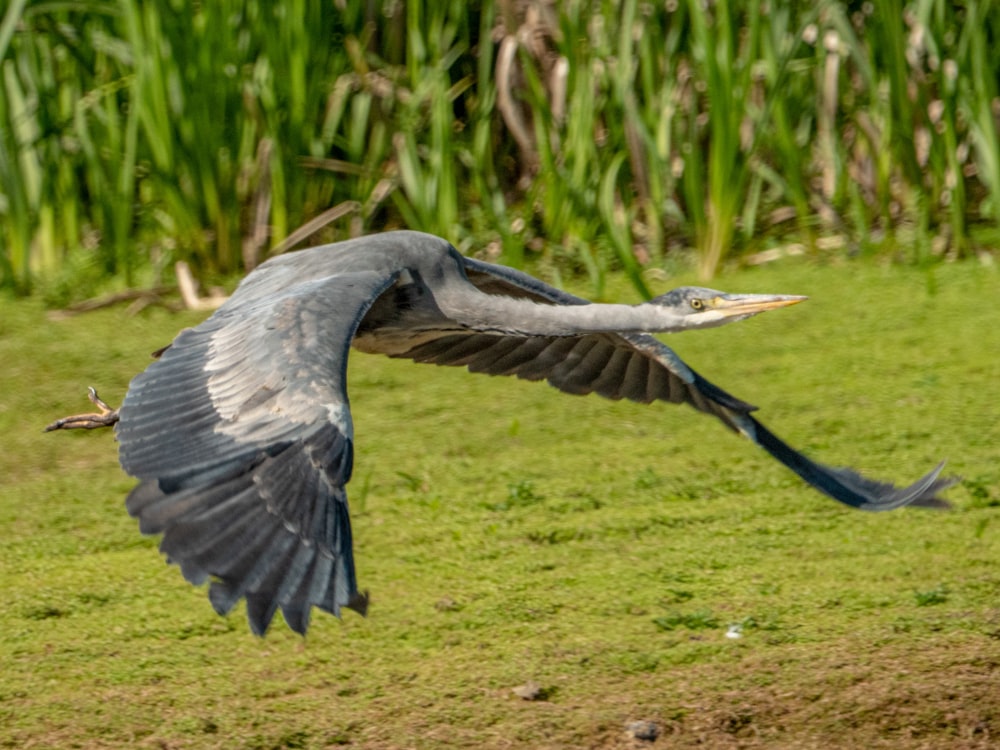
[240, 432]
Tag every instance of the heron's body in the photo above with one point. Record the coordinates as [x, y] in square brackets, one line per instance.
[241, 432]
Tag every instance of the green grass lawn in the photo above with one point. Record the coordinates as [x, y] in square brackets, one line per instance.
[509, 533]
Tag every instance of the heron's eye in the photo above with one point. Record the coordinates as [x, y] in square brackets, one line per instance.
[698, 304]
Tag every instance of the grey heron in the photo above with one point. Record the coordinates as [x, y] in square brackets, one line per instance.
[240, 433]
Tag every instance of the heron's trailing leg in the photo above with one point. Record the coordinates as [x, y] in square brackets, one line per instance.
[105, 418]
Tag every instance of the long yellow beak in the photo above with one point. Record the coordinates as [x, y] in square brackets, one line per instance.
[731, 305]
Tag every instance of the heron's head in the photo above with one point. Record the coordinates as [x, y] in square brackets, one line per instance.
[697, 307]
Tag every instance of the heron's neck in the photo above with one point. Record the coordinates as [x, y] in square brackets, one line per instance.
[489, 312]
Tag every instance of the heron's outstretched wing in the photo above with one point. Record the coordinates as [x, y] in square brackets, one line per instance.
[242, 437]
[641, 368]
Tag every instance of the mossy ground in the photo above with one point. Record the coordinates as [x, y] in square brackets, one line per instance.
[509, 533]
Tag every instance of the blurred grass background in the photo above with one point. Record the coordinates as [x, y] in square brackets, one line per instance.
[591, 136]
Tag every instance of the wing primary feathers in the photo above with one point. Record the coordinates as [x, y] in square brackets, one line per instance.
[851, 488]
[260, 611]
[609, 382]
[487, 359]
[634, 382]
[522, 355]
[546, 359]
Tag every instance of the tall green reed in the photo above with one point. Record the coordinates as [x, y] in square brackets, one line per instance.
[723, 54]
[592, 135]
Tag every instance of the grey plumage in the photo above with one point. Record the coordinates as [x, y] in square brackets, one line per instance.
[241, 434]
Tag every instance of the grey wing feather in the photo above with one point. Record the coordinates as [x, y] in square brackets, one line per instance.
[242, 437]
[641, 368]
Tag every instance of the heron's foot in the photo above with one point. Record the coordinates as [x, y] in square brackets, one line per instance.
[105, 418]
